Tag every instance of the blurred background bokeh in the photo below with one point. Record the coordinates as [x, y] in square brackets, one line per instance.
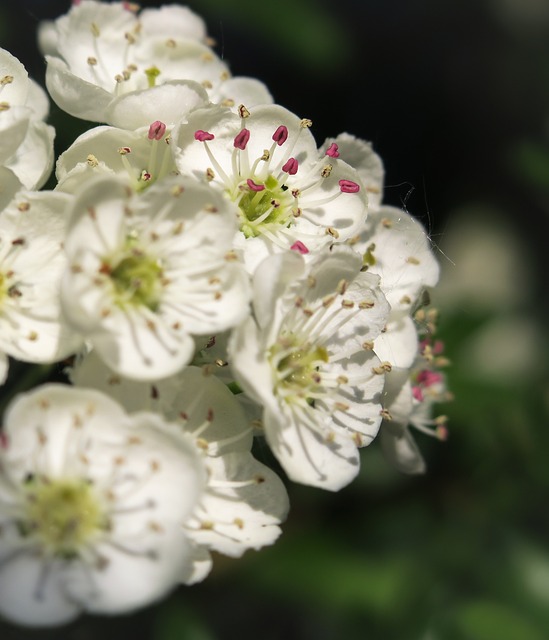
[454, 95]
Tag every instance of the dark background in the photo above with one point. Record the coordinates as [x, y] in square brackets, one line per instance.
[454, 95]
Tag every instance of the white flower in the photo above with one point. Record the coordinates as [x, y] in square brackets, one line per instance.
[267, 162]
[148, 271]
[139, 157]
[91, 505]
[244, 501]
[14, 112]
[307, 358]
[409, 397]
[396, 247]
[361, 156]
[108, 64]
[26, 142]
[32, 230]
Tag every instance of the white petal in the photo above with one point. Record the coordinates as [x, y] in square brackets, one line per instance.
[14, 123]
[38, 101]
[34, 595]
[72, 94]
[328, 459]
[198, 567]
[272, 278]
[4, 364]
[241, 90]
[248, 358]
[33, 160]
[129, 582]
[402, 451]
[398, 344]
[231, 519]
[403, 256]
[16, 91]
[172, 22]
[9, 186]
[169, 103]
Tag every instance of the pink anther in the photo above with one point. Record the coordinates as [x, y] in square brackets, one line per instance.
[157, 130]
[348, 186]
[299, 247]
[333, 151]
[442, 432]
[291, 166]
[417, 393]
[438, 347]
[202, 136]
[254, 186]
[280, 135]
[428, 378]
[241, 139]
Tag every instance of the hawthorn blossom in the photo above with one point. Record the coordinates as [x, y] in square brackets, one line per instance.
[267, 162]
[396, 247]
[32, 230]
[244, 501]
[409, 397]
[361, 156]
[91, 505]
[106, 63]
[26, 141]
[148, 271]
[307, 357]
[140, 158]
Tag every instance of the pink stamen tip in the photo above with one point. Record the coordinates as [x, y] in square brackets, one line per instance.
[438, 347]
[333, 151]
[241, 139]
[254, 186]
[4, 441]
[428, 378]
[291, 166]
[280, 135]
[417, 393]
[157, 130]
[299, 247]
[202, 136]
[442, 432]
[348, 186]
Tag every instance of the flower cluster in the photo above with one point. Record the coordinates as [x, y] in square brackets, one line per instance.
[212, 274]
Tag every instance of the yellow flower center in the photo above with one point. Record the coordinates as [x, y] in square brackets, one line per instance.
[64, 514]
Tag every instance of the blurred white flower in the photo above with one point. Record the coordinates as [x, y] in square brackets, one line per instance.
[244, 501]
[26, 141]
[32, 231]
[92, 502]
